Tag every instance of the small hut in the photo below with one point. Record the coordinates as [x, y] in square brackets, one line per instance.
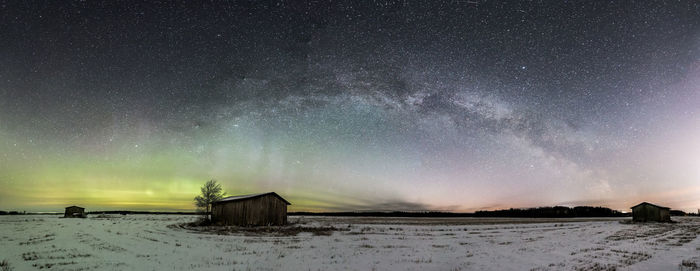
[75, 211]
[251, 210]
[645, 212]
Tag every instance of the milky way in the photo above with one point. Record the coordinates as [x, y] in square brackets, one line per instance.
[351, 105]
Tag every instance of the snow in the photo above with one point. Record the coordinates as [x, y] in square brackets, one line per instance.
[149, 242]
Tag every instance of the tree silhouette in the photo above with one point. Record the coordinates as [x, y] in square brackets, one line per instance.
[211, 192]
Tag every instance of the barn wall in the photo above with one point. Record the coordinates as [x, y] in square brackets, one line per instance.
[72, 210]
[258, 211]
[665, 214]
[644, 213]
[652, 213]
[639, 213]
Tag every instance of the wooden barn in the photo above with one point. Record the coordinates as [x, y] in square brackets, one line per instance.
[645, 212]
[250, 210]
[75, 211]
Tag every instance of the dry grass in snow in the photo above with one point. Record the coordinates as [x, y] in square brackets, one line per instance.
[168, 242]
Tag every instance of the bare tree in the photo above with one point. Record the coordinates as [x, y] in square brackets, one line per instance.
[211, 192]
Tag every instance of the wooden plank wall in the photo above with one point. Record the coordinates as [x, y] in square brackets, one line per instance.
[644, 213]
[72, 210]
[665, 215]
[259, 211]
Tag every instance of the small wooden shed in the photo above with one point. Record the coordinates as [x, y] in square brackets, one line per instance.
[75, 211]
[250, 210]
[645, 212]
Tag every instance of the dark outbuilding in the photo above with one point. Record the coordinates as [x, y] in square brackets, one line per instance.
[75, 211]
[646, 212]
[251, 210]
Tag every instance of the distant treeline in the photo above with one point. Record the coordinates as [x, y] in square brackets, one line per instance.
[681, 213]
[143, 213]
[544, 212]
[12, 213]
[562, 211]
[556, 211]
[106, 212]
[385, 214]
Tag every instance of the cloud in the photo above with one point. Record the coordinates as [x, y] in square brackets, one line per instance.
[387, 206]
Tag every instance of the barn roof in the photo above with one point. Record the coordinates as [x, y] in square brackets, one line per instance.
[242, 197]
[75, 207]
[646, 203]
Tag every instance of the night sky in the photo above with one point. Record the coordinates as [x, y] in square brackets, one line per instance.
[350, 105]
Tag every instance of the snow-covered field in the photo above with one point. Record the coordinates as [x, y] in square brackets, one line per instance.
[149, 242]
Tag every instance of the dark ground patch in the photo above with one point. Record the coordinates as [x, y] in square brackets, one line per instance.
[291, 230]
